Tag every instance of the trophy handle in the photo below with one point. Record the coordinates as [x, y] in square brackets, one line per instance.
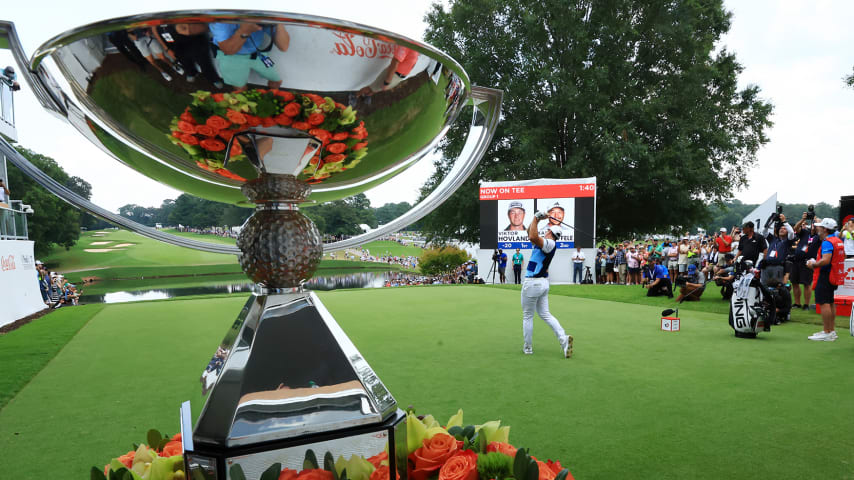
[487, 112]
[45, 88]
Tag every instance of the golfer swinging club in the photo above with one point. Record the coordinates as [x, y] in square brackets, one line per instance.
[535, 288]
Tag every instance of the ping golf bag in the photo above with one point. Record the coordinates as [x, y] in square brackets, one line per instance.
[751, 307]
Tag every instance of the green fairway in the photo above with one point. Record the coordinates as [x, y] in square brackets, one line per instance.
[142, 251]
[634, 402]
[388, 247]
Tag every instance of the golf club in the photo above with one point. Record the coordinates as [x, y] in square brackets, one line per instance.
[568, 225]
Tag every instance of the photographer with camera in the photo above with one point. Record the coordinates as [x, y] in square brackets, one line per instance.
[659, 281]
[690, 284]
[806, 248]
[535, 288]
[779, 235]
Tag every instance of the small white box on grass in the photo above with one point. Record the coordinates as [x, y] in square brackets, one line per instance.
[670, 324]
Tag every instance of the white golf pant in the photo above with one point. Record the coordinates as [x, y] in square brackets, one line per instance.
[535, 297]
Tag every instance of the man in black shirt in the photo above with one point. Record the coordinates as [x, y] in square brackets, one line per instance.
[751, 246]
[806, 248]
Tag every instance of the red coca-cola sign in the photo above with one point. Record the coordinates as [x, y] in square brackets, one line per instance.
[352, 45]
[7, 263]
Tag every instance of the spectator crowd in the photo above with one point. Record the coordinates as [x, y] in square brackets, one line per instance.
[56, 290]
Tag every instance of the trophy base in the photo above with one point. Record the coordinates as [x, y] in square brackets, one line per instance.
[285, 370]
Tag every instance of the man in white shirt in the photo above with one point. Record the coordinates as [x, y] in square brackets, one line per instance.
[577, 265]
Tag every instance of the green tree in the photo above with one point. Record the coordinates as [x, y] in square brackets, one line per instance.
[54, 222]
[635, 93]
[441, 260]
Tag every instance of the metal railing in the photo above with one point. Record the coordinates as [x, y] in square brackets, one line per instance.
[13, 222]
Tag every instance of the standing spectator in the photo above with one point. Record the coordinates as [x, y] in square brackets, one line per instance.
[633, 262]
[682, 259]
[806, 247]
[672, 254]
[831, 246]
[610, 265]
[773, 267]
[502, 265]
[750, 245]
[517, 267]
[724, 244]
[601, 265]
[577, 265]
[4, 193]
[620, 262]
[847, 235]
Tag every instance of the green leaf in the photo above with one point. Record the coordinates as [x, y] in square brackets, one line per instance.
[520, 464]
[533, 470]
[310, 460]
[234, 473]
[468, 431]
[455, 431]
[154, 437]
[272, 473]
[329, 465]
[562, 474]
[96, 474]
[481, 443]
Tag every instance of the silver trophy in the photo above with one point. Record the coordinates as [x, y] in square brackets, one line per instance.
[273, 110]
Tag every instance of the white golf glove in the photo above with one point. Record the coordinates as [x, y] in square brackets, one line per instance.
[541, 215]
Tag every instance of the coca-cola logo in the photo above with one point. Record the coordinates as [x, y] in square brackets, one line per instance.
[352, 45]
[7, 263]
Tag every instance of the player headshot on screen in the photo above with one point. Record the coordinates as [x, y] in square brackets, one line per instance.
[516, 214]
[556, 214]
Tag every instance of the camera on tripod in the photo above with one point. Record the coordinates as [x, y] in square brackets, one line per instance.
[495, 255]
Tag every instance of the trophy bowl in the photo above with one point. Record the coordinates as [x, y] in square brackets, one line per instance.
[272, 110]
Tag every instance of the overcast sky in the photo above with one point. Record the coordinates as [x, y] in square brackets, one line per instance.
[796, 51]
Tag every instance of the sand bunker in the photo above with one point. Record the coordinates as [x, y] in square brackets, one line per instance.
[120, 245]
[103, 232]
[97, 235]
[99, 250]
[100, 243]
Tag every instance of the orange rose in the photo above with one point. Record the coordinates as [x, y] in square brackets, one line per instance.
[212, 145]
[461, 466]
[283, 119]
[217, 122]
[206, 130]
[186, 127]
[189, 139]
[360, 146]
[176, 437]
[336, 148]
[381, 473]
[236, 149]
[316, 118]
[502, 447]
[252, 120]
[187, 117]
[172, 448]
[292, 109]
[227, 174]
[315, 474]
[317, 99]
[337, 157]
[218, 97]
[301, 125]
[286, 96]
[288, 474]
[127, 459]
[546, 473]
[226, 134]
[434, 452]
[235, 116]
[382, 456]
[340, 136]
[321, 134]
[268, 122]
[177, 133]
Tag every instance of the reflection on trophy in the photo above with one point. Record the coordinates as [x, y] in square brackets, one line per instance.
[273, 110]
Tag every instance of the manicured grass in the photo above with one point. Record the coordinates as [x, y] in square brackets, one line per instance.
[634, 402]
[388, 247]
[202, 237]
[711, 300]
[142, 252]
[25, 351]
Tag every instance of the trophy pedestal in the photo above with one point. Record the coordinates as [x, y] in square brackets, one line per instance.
[284, 380]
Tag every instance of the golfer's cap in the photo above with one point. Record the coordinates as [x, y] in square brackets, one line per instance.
[555, 231]
[39, 262]
[723, 229]
[827, 223]
[515, 205]
[556, 205]
[692, 267]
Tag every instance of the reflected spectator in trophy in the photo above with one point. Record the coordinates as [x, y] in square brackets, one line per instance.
[150, 48]
[400, 67]
[516, 215]
[126, 47]
[189, 44]
[243, 48]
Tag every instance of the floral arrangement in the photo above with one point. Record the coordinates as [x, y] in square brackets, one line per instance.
[434, 452]
[211, 119]
[161, 459]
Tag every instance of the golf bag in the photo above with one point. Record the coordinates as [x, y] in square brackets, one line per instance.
[751, 309]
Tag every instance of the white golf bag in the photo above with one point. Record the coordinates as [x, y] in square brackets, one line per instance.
[749, 311]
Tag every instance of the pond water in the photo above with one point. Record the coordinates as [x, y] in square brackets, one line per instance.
[320, 283]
